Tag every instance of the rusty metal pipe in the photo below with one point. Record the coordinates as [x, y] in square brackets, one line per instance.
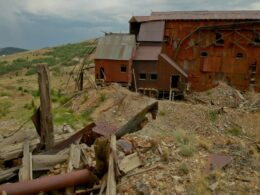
[49, 183]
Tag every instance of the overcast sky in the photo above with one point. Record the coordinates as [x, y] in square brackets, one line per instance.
[33, 24]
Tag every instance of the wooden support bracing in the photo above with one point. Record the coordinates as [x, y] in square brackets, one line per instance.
[25, 172]
[47, 137]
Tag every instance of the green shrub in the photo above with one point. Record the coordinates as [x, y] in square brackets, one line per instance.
[183, 169]
[102, 97]
[35, 93]
[31, 71]
[186, 143]
[4, 108]
[213, 115]
[235, 131]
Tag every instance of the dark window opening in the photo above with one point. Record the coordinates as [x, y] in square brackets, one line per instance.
[253, 68]
[257, 40]
[239, 55]
[204, 54]
[142, 76]
[102, 73]
[123, 68]
[153, 76]
[175, 81]
[219, 39]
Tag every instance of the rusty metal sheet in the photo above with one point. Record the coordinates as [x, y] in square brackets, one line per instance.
[151, 31]
[216, 161]
[147, 53]
[104, 128]
[115, 47]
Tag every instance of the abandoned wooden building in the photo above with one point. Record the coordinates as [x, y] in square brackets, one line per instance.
[193, 50]
[114, 59]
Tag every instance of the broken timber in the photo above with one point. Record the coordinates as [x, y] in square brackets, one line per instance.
[25, 172]
[111, 180]
[137, 122]
[46, 123]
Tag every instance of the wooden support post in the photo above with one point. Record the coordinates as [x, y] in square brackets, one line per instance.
[47, 138]
[25, 173]
[111, 179]
[134, 80]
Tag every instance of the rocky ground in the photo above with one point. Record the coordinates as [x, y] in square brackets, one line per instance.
[175, 148]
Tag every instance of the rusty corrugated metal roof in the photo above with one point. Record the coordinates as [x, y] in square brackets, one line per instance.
[144, 53]
[200, 15]
[151, 31]
[115, 47]
[174, 65]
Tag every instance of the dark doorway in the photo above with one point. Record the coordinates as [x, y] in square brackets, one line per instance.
[174, 81]
[102, 73]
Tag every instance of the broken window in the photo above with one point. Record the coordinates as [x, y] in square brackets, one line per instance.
[175, 81]
[239, 55]
[153, 76]
[219, 39]
[123, 68]
[204, 54]
[142, 76]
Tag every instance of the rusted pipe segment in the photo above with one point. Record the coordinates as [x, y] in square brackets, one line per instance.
[49, 183]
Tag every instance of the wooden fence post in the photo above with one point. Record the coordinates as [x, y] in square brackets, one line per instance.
[47, 137]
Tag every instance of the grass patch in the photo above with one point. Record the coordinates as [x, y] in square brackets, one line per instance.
[102, 97]
[4, 93]
[183, 169]
[186, 143]
[4, 108]
[35, 93]
[235, 131]
[213, 116]
[162, 113]
[86, 115]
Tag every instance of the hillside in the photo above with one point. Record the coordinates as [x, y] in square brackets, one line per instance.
[178, 143]
[10, 50]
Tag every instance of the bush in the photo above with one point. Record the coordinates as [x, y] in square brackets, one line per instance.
[4, 108]
[35, 93]
[186, 143]
[235, 131]
[213, 115]
[31, 71]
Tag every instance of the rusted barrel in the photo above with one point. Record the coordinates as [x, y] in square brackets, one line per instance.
[49, 183]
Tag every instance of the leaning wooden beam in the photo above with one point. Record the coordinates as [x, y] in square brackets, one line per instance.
[25, 172]
[111, 180]
[135, 123]
[46, 162]
[47, 136]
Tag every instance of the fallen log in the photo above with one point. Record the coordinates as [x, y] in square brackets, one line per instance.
[49, 183]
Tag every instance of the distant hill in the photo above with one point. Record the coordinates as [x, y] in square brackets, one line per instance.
[10, 50]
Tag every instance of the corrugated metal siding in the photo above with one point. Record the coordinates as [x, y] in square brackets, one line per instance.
[115, 47]
[147, 53]
[151, 31]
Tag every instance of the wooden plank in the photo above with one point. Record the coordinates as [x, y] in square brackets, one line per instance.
[111, 180]
[25, 172]
[130, 162]
[47, 136]
[74, 161]
[15, 150]
[5, 175]
[46, 162]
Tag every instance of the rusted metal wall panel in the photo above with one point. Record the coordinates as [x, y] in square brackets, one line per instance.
[151, 31]
[112, 69]
[211, 64]
[187, 51]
